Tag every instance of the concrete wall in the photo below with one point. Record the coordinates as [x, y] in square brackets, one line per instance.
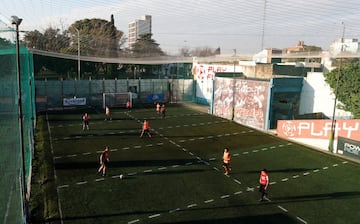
[317, 96]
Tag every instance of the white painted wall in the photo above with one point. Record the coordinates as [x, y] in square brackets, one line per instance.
[317, 96]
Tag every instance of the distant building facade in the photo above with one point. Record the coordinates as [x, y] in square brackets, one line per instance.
[299, 47]
[138, 28]
[345, 45]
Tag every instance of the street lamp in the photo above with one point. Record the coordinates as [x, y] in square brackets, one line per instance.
[333, 122]
[17, 21]
[78, 51]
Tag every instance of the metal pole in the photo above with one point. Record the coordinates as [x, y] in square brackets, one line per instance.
[78, 51]
[16, 21]
[333, 122]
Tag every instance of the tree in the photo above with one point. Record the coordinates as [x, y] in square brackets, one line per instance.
[98, 38]
[145, 46]
[205, 51]
[51, 40]
[347, 81]
[4, 43]
[185, 51]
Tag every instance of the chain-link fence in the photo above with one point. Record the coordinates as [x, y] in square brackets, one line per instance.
[50, 94]
[16, 148]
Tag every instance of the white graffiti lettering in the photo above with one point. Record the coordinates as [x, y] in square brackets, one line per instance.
[353, 149]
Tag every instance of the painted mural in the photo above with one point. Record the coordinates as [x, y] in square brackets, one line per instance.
[251, 99]
[223, 97]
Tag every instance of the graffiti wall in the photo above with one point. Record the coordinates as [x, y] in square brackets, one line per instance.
[244, 101]
[251, 99]
[224, 97]
[204, 74]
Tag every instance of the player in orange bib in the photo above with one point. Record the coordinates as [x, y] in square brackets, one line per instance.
[128, 105]
[145, 129]
[226, 161]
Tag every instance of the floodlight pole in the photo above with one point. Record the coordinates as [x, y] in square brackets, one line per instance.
[333, 121]
[78, 50]
[17, 21]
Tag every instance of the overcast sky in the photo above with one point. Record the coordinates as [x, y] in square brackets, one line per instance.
[247, 26]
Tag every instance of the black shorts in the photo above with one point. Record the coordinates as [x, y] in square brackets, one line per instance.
[262, 188]
[227, 165]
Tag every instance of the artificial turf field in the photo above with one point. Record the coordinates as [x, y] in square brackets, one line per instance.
[177, 176]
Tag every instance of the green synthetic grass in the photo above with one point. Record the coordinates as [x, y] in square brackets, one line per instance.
[176, 176]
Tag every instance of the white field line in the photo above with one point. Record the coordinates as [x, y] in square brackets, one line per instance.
[55, 176]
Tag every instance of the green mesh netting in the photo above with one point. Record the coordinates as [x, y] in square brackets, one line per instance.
[12, 188]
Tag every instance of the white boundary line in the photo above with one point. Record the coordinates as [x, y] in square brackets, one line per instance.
[55, 176]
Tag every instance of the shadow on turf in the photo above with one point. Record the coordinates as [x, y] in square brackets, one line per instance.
[93, 135]
[290, 170]
[116, 164]
[317, 197]
[268, 218]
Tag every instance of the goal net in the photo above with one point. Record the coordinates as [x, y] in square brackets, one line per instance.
[112, 100]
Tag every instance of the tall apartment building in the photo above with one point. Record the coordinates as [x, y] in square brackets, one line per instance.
[138, 28]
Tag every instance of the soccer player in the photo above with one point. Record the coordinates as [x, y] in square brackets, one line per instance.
[107, 113]
[104, 160]
[158, 108]
[128, 105]
[85, 119]
[264, 183]
[145, 129]
[226, 161]
[163, 110]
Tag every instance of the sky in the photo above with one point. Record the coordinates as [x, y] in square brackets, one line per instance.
[236, 26]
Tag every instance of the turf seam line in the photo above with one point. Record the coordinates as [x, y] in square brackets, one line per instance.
[300, 219]
[82, 182]
[174, 210]
[191, 205]
[154, 216]
[248, 189]
[282, 208]
[237, 181]
[134, 221]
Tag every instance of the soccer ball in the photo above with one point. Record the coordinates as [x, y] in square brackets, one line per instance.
[121, 176]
